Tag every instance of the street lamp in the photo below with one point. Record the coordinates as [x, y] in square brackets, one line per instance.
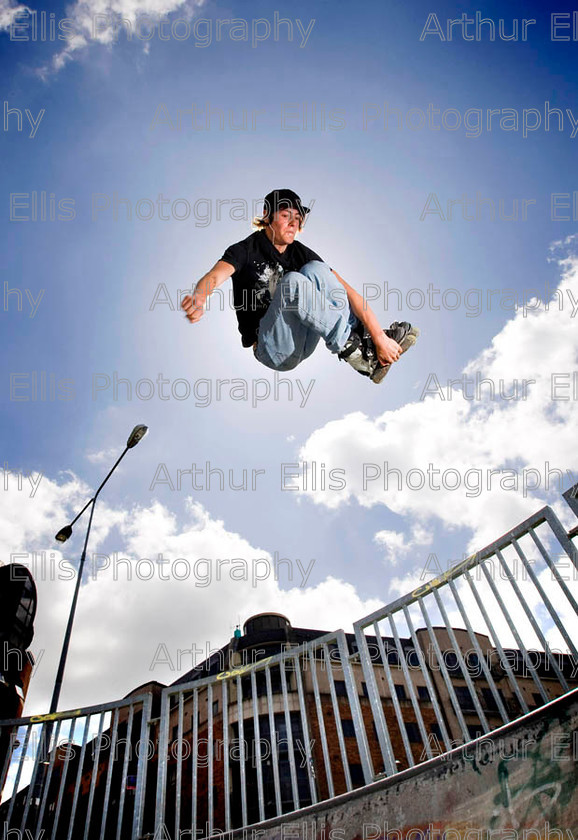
[64, 534]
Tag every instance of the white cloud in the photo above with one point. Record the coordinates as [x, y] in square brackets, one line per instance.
[445, 439]
[8, 12]
[135, 606]
[396, 546]
[107, 22]
[104, 456]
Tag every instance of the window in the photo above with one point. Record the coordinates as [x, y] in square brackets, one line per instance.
[435, 729]
[464, 697]
[475, 730]
[423, 692]
[473, 663]
[25, 611]
[364, 690]
[373, 651]
[412, 730]
[489, 700]
[348, 727]
[451, 660]
[340, 689]
[261, 683]
[215, 707]
[21, 634]
[537, 699]
[393, 657]
[400, 691]
[412, 658]
[357, 779]
[334, 654]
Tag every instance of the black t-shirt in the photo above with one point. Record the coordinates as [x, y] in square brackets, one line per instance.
[258, 267]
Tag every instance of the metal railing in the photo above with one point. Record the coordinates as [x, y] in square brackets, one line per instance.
[263, 735]
[473, 686]
[477, 647]
[76, 774]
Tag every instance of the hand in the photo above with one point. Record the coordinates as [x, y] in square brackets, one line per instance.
[194, 309]
[388, 350]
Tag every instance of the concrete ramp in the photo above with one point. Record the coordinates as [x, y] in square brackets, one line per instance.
[518, 783]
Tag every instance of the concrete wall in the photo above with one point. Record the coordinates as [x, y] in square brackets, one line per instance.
[519, 782]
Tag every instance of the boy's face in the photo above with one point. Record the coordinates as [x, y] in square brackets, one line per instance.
[285, 225]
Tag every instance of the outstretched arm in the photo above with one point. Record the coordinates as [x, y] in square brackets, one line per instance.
[194, 305]
[387, 349]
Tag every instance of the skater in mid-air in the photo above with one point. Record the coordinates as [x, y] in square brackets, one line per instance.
[287, 298]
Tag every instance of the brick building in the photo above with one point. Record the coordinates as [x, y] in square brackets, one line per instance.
[291, 735]
[268, 634]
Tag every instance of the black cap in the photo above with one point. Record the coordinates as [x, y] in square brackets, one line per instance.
[281, 200]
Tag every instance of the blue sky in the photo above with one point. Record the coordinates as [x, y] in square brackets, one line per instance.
[95, 277]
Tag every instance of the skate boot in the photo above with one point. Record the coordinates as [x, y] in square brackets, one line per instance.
[360, 352]
[406, 336]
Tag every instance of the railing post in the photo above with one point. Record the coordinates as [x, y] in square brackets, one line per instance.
[359, 726]
[571, 496]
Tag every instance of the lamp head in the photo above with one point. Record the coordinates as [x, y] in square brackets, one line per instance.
[136, 435]
[64, 534]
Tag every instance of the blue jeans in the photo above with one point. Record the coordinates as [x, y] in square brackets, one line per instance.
[307, 305]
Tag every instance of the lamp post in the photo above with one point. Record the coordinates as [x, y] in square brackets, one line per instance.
[136, 435]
